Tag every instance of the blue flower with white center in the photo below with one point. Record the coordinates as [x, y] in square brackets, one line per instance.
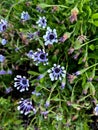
[42, 22]
[2, 58]
[3, 42]
[96, 110]
[56, 72]
[30, 54]
[40, 57]
[21, 83]
[25, 16]
[25, 106]
[50, 37]
[3, 25]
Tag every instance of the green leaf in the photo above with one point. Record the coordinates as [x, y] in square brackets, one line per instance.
[33, 73]
[92, 89]
[95, 16]
[95, 19]
[43, 5]
[92, 47]
[95, 23]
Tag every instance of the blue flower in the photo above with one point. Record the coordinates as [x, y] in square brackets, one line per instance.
[56, 72]
[36, 93]
[3, 25]
[2, 58]
[33, 35]
[40, 76]
[9, 72]
[25, 16]
[30, 54]
[39, 9]
[50, 37]
[40, 57]
[8, 90]
[2, 72]
[25, 106]
[63, 85]
[47, 104]
[21, 83]
[96, 110]
[3, 41]
[44, 113]
[42, 22]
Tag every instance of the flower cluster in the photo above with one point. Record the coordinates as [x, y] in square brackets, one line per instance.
[57, 72]
[50, 37]
[21, 83]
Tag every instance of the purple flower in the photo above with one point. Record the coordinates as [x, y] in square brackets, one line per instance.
[4, 41]
[96, 110]
[8, 90]
[9, 72]
[21, 83]
[57, 72]
[63, 85]
[47, 104]
[44, 113]
[42, 22]
[36, 93]
[77, 73]
[40, 57]
[50, 37]
[3, 25]
[17, 49]
[25, 106]
[2, 72]
[2, 58]
[39, 9]
[30, 54]
[40, 76]
[25, 16]
[33, 35]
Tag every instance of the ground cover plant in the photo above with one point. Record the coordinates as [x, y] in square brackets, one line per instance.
[48, 64]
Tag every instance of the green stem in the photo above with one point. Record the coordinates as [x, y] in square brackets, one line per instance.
[89, 42]
[52, 89]
[84, 70]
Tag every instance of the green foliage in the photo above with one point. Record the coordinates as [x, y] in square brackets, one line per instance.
[70, 107]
